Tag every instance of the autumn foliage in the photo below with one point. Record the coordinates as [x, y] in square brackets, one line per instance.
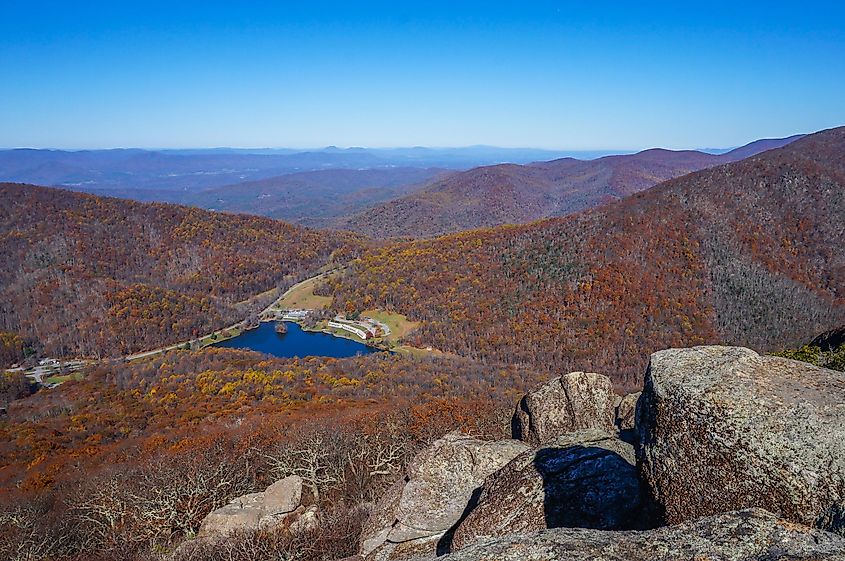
[125, 462]
[96, 276]
[748, 253]
[129, 460]
[11, 348]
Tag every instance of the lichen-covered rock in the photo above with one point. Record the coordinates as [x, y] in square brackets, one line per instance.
[626, 417]
[626, 411]
[308, 520]
[585, 479]
[419, 549]
[283, 496]
[255, 510]
[575, 401]
[748, 535]
[441, 480]
[434, 492]
[243, 512]
[723, 428]
[382, 516]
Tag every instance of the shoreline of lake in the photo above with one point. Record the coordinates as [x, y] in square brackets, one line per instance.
[299, 341]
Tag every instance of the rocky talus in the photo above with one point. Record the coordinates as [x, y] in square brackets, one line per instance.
[723, 428]
[438, 485]
[585, 479]
[747, 535]
[279, 504]
[725, 455]
[575, 401]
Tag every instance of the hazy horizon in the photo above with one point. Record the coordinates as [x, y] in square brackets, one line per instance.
[294, 148]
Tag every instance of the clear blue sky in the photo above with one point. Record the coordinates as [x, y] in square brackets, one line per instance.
[578, 75]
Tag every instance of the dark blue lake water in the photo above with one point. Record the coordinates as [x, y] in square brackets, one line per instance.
[295, 343]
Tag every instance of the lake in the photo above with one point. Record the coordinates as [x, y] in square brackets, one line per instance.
[295, 343]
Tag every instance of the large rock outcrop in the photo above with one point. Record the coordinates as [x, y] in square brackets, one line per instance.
[573, 402]
[723, 428]
[585, 479]
[438, 485]
[278, 503]
[748, 535]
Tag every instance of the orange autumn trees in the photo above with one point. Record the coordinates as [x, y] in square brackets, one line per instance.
[129, 459]
[102, 277]
[748, 253]
[185, 391]
[11, 348]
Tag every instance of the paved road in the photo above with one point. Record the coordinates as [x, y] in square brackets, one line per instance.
[266, 310]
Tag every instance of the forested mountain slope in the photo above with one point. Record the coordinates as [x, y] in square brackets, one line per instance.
[747, 253]
[512, 194]
[99, 276]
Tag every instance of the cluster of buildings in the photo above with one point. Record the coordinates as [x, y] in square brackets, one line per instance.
[362, 332]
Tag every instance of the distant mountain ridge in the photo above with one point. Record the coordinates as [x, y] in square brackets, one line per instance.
[381, 192]
[196, 169]
[507, 193]
[315, 198]
[311, 198]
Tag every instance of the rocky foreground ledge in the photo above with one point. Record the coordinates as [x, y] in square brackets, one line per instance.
[725, 455]
[723, 428]
[744, 535]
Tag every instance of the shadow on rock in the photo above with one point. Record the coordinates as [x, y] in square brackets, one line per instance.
[590, 487]
[444, 546]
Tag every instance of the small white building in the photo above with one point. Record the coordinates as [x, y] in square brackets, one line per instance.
[359, 332]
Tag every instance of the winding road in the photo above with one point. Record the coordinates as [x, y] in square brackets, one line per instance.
[265, 312]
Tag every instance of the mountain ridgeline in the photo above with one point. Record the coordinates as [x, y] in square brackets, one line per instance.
[514, 194]
[316, 198]
[746, 253]
[197, 169]
[381, 193]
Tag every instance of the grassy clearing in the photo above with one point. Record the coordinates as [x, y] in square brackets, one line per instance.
[415, 352]
[61, 378]
[399, 325]
[302, 297]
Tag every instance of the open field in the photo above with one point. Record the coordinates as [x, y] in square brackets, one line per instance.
[302, 297]
[399, 325]
[58, 379]
[416, 352]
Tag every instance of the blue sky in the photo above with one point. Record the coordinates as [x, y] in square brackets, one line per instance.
[580, 75]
